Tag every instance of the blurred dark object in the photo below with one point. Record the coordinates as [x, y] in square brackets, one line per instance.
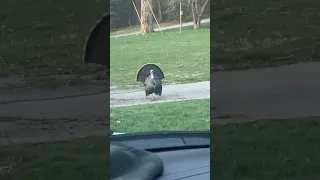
[133, 163]
[98, 46]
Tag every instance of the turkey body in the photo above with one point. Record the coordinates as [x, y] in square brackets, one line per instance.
[151, 76]
[153, 85]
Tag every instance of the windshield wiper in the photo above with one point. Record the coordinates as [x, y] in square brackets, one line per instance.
[165, 140]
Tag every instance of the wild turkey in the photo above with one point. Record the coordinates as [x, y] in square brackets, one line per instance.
[98, 45]
[151, 76]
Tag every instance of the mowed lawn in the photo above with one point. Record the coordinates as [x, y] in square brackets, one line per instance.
[257, 34]
[80, 159]
[46, 38]
[267, 149]
[191, 115]
[183, 57]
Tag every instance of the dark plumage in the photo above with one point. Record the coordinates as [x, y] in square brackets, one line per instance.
[151, 76]
[98, 45]
[153, 84]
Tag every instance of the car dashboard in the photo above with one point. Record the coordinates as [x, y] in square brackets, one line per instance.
[185, 155]
[189, 164]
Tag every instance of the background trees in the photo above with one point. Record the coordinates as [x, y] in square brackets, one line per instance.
[123, 13]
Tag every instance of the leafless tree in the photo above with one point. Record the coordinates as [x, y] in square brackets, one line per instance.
[197, 7]
[170, 5]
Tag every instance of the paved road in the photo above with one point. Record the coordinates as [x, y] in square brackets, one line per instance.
[165, 28]
[283, 92]
[30, 116]
[82, 107]
[179, 92]
[87, 103]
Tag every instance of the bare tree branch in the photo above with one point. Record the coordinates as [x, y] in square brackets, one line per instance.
[204, 6]
[197, 9]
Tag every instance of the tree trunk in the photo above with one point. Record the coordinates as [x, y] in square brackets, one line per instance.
[146, 17]
[159, 11]
[197, 12]
[195, 16]
[196, 24]
[130, 13]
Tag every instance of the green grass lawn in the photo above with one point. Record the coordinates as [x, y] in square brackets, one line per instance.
[81, 159]
[183, 57]
[172, 116]
[265, 150]
[46, 38]
[260, 33]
